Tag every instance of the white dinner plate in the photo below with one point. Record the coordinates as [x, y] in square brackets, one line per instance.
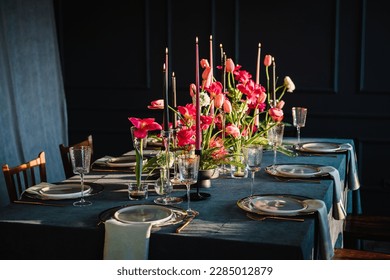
[63, 191]
[320, 147]
[298, 170]
[277, 204]
[153, 214]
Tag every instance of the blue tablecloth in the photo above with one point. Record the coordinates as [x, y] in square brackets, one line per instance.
[221, 231]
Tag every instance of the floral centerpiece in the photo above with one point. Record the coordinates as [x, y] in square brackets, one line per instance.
[234, 114]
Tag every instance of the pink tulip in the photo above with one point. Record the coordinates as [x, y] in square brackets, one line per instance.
[204, 63]
[207, 77]
[229, 65]
[233, 131]
[280, 104]
[227, 106]
[156, 104]
[143, 126]
[262, 97]
[268, 60]
[219, 100]
[276, 114]
[192, 90]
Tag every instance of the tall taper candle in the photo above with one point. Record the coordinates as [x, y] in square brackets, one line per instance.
[197, 131]
[256, 122]
[174, 100]
[258, 64]
[166, 102]
[211, 56]
[274, 81]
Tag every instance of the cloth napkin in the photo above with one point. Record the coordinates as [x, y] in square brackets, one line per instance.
[325, 248]
[339, 212]
[353, 178]
[126, 241]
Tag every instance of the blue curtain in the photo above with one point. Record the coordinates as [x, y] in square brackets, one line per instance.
[32, 100]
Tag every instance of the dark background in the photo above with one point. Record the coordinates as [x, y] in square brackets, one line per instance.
[335, 51]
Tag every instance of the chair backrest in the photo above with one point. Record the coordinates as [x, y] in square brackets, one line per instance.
[65, 156]
[25, 175]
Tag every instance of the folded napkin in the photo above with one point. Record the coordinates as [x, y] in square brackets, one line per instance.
[339, 212]
[126, 241]
[353, 178]
[36, 188]
[325, 246]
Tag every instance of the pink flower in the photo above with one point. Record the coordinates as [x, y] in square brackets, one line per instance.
[205, 122]
[229, 65]
[233, 130]
[227, 106]
[242, 76]
[268, 60]
[276, 114]
[143, 126]
[156, 104]
[204, 63]
[280, 104]
[214, 89]
[185, 137]
[188, 112]
[219, 100]
[207, 77]
[192, 90]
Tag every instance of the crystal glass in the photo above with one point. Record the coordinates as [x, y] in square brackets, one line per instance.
[188, 165]
[81, 162]
[163, 186]
[275, 138]
[299, 120]
[253, 155]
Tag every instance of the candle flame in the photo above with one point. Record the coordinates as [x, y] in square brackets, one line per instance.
[166, 50]
[211, 37]
[196, 40]
[259, 45]
[164, 67]
[173, 74]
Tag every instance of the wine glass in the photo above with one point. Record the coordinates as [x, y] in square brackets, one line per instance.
[299, 120]
[164, 186]
[81, 162]
[275, 137]
[253, 155]
[188, 165]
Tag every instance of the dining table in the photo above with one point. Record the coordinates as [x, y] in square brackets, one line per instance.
[56, 230]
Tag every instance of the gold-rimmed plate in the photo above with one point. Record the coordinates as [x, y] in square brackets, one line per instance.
[320, 147]
[296, 205]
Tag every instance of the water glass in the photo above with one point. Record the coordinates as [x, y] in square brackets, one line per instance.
[299, 120]
[138, 192]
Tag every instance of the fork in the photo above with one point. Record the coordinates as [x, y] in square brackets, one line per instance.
[262, 218]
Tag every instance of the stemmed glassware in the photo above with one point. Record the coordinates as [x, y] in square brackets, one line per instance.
[299, 120]
[275, 138]
[164, 185]
[253, 155]
[81, 162]
[188, 165]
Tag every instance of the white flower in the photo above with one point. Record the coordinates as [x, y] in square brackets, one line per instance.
[204, 99]
[288, 83]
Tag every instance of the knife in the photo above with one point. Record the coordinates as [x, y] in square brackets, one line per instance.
[38, 203]
[189, 220]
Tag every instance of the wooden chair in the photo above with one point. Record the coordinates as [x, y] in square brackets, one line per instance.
[360, 228]
[25, 175]
[352, 254]
[65, 156]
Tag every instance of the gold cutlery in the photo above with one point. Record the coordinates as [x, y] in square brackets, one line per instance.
[262, 218]
[38, 203]
[297, 180]
[187, 221]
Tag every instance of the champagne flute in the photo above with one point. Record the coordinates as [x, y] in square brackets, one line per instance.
[275, 137]
[253, 155]
[81, 162]
[299, 120]
[188, 165]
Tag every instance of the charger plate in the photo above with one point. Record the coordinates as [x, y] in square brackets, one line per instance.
[62, 190]
[178, 214]
[320, 147]
[262, 205]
